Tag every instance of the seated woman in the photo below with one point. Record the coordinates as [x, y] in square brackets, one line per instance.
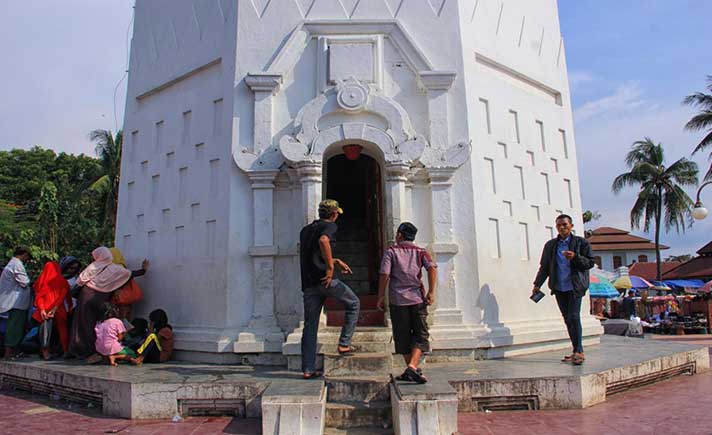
[99, 280]
[158, 346]
[52, 305]
[109, 334]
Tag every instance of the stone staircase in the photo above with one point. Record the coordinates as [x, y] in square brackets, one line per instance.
[358, 396]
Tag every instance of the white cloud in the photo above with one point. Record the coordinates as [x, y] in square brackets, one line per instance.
[624, 99]
[577, 78]
[601, 145]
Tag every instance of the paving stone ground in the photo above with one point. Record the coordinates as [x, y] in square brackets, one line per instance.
[682, 405]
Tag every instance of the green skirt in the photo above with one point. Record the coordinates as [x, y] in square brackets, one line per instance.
[15, 327]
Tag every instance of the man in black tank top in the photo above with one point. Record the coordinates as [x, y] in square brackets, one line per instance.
[318, 283]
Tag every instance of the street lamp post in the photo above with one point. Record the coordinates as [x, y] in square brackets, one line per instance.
[699, 211]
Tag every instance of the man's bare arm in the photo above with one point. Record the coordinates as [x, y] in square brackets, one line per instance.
[383, 279]
[432, 284]
[325, 248]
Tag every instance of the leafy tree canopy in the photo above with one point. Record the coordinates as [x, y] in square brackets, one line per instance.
[46, 205]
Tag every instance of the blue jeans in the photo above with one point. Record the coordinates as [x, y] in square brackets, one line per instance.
[570, 307]
[314, 298]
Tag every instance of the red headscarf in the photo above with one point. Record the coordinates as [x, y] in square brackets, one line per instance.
[51, 289]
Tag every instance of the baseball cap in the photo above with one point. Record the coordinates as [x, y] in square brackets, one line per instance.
[330, 206]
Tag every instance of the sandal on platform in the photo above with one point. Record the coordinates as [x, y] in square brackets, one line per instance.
[313, 375]
[412, 375]
[578, 359]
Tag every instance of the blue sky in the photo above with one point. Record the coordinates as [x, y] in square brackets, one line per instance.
[630, 65]
[630, 62]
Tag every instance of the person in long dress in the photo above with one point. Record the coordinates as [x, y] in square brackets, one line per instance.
[98, 281]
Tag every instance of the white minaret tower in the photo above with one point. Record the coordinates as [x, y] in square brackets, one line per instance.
[236, 120]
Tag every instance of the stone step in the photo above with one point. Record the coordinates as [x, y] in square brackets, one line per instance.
[358, 364]
[345, 415]
[365, 317]
[358, 431]
[361, 347]
[364, 389]
[331, 334]
[368, 302]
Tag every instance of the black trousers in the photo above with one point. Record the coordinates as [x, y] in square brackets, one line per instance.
[570, 307]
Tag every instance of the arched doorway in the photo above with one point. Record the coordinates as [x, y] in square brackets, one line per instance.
[357, 185]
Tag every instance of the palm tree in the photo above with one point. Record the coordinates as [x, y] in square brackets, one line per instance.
[661, 198]
[108, 149]
[703, 120]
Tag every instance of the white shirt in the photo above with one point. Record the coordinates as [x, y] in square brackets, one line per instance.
[15, 292]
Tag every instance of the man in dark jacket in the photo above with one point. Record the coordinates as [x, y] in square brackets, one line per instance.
[566, 260]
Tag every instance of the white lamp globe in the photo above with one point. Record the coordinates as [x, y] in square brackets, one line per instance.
[699, 212]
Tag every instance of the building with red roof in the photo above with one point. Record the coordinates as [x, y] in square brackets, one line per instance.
[699, 267]
[614, 248]
[649, 270]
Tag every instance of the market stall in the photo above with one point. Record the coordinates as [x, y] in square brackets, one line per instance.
[686, 310]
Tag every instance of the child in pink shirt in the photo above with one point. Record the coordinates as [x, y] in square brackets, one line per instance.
[109, 334]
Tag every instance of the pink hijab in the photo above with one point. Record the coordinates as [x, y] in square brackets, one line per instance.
[103, 275]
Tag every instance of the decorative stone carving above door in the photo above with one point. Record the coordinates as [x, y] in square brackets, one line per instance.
[344, 103]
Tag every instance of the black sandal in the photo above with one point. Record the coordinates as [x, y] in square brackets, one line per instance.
[412, 375]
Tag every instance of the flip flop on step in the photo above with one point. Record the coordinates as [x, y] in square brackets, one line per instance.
[349, 350]
[313, 375]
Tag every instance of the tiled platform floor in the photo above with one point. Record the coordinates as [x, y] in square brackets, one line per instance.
[678, 406]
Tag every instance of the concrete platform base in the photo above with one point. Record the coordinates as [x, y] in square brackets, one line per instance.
[286, 402]
[428, 409]
[296, 409]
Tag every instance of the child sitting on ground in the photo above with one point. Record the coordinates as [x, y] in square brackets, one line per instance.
[109, 334]
[137, 333]
[158, 346]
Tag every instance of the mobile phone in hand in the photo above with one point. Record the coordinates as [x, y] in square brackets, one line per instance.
[536, 297]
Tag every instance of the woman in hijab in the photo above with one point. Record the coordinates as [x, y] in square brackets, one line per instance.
[52, 304]
[118, 258]
[99, 280]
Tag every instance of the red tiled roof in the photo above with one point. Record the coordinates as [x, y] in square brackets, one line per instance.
[608, 230]
[624, 246]
[706, 250]
[698, 267]
[613, 239]
[649, 270]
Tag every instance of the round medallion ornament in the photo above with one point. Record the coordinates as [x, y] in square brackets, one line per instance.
[352, 97]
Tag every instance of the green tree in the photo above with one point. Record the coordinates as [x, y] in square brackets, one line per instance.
[702, 120]
[48, 216]
[680, 258]
[661, 198]
[590, 215]
[108, 149]
[68, 219]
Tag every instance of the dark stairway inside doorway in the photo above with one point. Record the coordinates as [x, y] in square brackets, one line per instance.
[352, 247]
[356, 184]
